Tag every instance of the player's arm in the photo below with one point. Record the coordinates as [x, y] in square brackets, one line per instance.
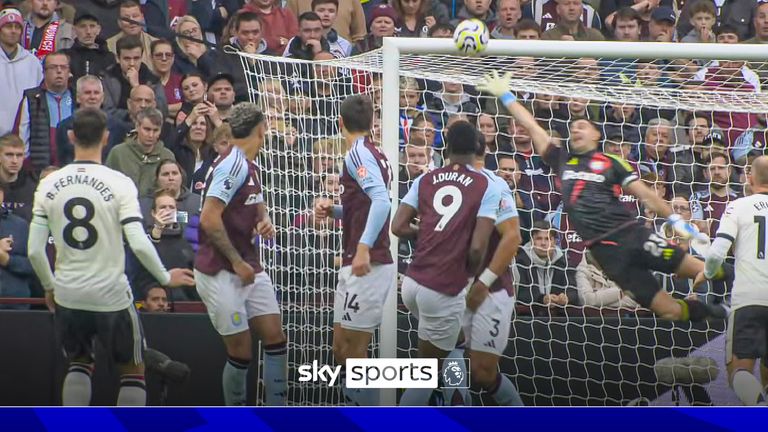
[724, 239]
[498, 86]
[486, 220]
[36, 250]
[402, 225]
[367, 174]
[212, 223]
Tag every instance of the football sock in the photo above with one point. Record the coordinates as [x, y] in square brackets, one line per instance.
[233, 381]
[133, 391]
[456, 396]
[504, 392]
[358, 396]
[747, 388]
[276, 374]
[77, 385]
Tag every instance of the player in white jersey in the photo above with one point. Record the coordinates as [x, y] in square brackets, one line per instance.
[745, 227]
[87, 207]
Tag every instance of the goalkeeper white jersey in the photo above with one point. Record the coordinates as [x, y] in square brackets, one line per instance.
[86, 205]
[745, 223]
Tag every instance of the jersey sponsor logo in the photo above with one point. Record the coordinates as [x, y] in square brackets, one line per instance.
[588, 176]
[598, 166]
[573, 237]
[253, 199]
[627, 198]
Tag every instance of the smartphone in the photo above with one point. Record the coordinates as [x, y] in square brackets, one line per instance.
[181, 217]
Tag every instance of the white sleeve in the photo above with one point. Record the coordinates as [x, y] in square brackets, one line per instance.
[145, 251]
[36, 251]
[715, 256]
[129, 210]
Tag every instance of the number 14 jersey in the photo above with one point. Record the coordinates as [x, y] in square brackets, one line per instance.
[448, 201]
[86, 205]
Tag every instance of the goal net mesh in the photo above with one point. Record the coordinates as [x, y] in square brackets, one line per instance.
[658, 112]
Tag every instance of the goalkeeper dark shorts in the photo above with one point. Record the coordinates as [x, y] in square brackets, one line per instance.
[119, 333]
[628, 256]
[747, 334]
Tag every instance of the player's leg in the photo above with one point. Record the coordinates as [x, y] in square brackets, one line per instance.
[457, 396]
[222, 296]
[746, 342]
[489, 334]
[121, 334]
[358, 309]
[76, 330]
[266, 322]
[440, 320]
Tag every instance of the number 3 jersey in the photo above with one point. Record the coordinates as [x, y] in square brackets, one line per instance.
[86, 205]
[448, 201]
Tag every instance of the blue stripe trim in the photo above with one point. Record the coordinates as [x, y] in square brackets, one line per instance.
[238, 166]
[356, 160]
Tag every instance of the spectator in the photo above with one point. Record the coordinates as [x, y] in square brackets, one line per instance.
[536, 178]
[509, 14]
[141, 153]
[44, 31]
[140, 98]
[736, 14]
[248, 38]
[595, 289]
[752, 142]
[16, 272]
[90, 94]
[622, 120]
[280, 23]
[107, 13]
[155, 299]
[545, 275]
[192, 54]
[416, 17]
[89, 55]
[489, 130]
[194, 145]
[120, 79]
[615, 145]
[661, 27]
[42, 109]
[628, 26]
[440, 31]
[348, 20]
[417, 160]
[451, 99]
[221, 92]
[510, 171]
[527, 29]
[131, 23]
[570, 25]
[410, 106]
[383, 23]
[327, 10]
[194, 89]
[548, 13]
[609, 8]
[674, 168]
[310, 40]
[172, 178]
[480, 9]
[708, 203]
[162, 62]
[20, 69]
[19, 183]
[760, 23]
[167, 235]
[703, 19]
[221, 143]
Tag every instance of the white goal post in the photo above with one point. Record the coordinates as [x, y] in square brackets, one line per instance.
[563, 69]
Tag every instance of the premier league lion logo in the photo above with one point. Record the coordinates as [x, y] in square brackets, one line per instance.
[453, 374]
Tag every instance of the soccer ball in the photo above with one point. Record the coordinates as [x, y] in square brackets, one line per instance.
[471, 36]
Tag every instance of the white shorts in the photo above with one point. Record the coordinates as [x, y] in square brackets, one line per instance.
[439, 315]
[487, 329]
[358, 303]
[230, 304]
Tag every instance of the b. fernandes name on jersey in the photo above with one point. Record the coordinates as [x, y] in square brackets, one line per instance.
[85, 179]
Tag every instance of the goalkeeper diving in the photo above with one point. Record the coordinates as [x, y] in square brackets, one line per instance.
[626, 250]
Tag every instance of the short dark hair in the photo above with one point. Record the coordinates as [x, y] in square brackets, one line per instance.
[157, 43]
[440, 26]
[544, 226]
[319, 2]
[527, 24]
[242, 17]
[128, 43]
[89, 125]
[627, 14]
[357, 113]
[243, 118]
[309, 16]
[703, 6]
[126, 4]
[462, 138]
[727, 28]
[717, 154]
[480, 147]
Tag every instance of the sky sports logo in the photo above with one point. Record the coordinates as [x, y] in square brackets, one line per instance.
[390, 373]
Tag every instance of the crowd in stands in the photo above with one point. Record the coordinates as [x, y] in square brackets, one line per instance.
[167, 74]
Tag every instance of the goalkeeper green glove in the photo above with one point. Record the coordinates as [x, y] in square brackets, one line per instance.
[497, 86]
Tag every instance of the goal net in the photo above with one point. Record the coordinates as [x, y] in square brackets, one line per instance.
[667, 115]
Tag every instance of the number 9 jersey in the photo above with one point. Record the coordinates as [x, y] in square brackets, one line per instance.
[449, 200]
[86, 205]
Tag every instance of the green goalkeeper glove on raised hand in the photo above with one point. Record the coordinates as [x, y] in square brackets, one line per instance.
[498, 86]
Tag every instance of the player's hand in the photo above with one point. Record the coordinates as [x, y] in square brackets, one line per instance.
[495, 84]
[245, 272]
[477, 295]
[685, 229]
[50, 303]
[323, 208]
[361, 263]
[181, 277]
[265, 229]
[700, 279]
